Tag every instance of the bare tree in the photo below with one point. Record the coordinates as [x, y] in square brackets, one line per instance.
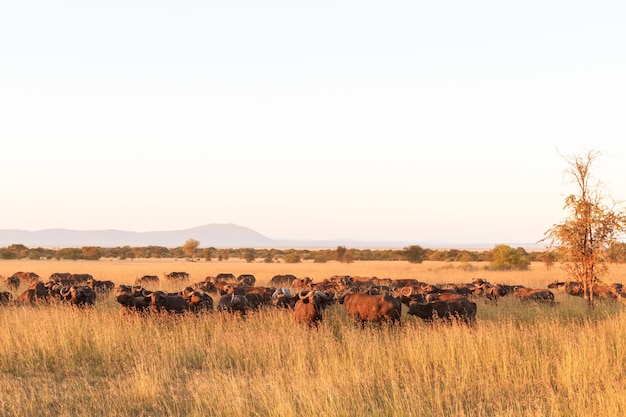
[583, 238]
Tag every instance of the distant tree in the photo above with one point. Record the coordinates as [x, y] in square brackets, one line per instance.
[348, 258]
[20, 251]
[91, 253]
[190, 246]
[292, 258]
[69, 253]
[248, 255]
[269, 256]
[320, 257]
[207, 254]
[582, 240]
[340, 253]
[548, 258]
[137, 252]
[415, 254]
[617, 252]
[506, 258]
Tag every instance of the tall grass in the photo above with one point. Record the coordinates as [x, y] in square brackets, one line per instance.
[519, 359]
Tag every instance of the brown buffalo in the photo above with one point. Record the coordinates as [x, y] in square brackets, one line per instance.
[310, 306]
[364, 308]
[27, 277]
[534, 294]
[302, 283]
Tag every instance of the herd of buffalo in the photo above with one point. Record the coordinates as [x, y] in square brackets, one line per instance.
[365, 299]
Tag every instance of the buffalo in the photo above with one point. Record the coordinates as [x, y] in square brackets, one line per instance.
[284, 298]
[234, 303]
[171, 303]
[198, 300]
[310, 306]
[364, 308]
[27, 277]
[13, 282]
[444, 309]
[177, 276]
[133, 299]
[101, 287]
[79, 295]
[302, 283]
[246, 279]
[36, 291]
[533, 294]
[5, 297]
[147, 279]
[279, 281]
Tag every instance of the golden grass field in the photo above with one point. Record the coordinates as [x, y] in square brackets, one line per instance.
[518, 360]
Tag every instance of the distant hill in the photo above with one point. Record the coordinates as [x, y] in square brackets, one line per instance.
[216, 235]
[210, 235]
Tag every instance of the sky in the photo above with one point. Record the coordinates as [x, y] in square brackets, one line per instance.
[414, 121]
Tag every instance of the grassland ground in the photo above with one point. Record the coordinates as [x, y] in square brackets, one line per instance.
[518, 360]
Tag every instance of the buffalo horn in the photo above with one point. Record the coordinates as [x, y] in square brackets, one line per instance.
[407, 291]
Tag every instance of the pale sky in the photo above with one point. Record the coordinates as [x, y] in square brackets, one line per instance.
[396, 121]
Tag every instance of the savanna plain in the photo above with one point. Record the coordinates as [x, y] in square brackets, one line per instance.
[518, 359]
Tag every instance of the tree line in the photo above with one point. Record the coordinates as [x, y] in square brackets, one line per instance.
[501, 257]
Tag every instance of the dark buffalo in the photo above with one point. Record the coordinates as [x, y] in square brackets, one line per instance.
[80, 279]
[224, 277]
[133, 299]
[101, 287]
[284, 298]
[281, 280]
[177, 276]
[246, 279]
[234, 303]
[198, 300]
[79, 295]
[37, 291]
[5, 297]
[364, 308]
[147, 279]
[452, 309]
[13, 282]
[171, 303]
[60, 277]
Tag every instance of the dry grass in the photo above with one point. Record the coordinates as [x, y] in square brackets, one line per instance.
[519, 360]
